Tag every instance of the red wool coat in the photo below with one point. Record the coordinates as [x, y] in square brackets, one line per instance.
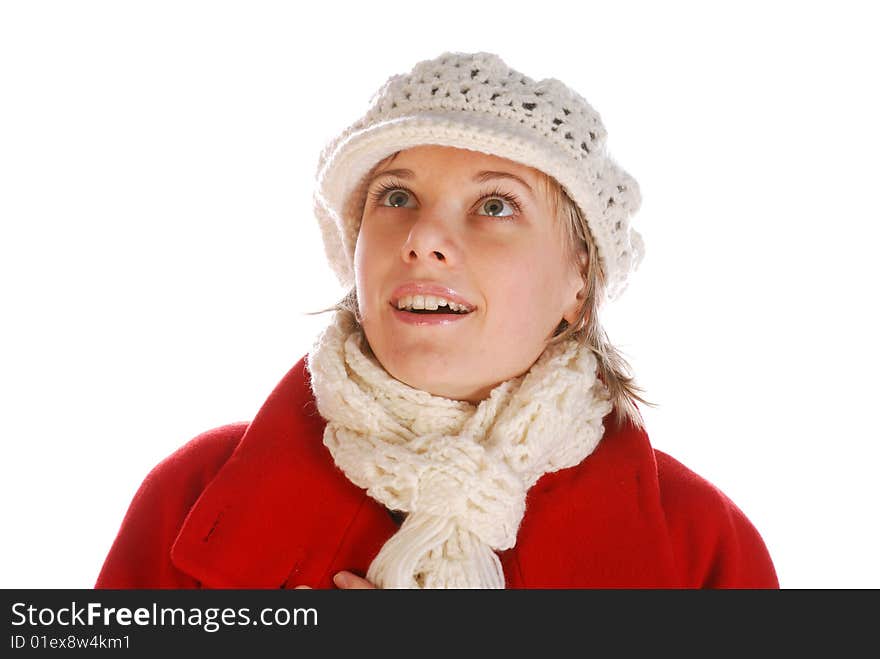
[262, 505]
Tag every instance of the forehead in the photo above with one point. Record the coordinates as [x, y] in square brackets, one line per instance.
[453, 159]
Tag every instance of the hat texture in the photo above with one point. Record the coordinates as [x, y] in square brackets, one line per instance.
[475, 101]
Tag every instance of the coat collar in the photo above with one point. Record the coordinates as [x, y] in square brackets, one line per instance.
[279, 508]
[274, 503]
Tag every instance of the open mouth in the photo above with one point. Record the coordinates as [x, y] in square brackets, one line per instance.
[439, 311]
[430, 305]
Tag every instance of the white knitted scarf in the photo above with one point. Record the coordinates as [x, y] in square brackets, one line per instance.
[461, 470]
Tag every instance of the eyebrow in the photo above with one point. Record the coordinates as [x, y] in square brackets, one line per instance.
[480, 177]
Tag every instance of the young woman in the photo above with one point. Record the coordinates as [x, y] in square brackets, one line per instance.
[463, 421]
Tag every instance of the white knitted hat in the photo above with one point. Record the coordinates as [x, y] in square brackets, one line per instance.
[475, 101]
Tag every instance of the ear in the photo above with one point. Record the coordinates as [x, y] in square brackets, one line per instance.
[577, 289]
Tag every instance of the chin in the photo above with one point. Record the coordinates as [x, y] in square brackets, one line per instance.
[428, 377]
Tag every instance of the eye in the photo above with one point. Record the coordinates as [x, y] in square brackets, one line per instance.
[398, 198]
[396, 195]
[494, 206]
[495, 201]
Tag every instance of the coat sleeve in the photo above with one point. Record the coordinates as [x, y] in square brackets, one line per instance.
[140, 556]
[715, 544]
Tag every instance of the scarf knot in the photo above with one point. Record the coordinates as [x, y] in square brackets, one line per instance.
[459, 480]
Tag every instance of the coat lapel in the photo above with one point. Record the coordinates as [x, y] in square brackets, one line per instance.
[600, 524]
[279, 508]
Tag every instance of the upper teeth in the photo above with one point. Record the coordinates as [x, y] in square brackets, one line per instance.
[430, 302]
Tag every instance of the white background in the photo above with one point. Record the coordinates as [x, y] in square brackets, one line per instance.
[158, 250]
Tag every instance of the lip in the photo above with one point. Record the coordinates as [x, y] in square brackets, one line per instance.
[430, 288]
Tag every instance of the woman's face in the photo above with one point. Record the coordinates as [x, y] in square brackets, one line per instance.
[474, 229]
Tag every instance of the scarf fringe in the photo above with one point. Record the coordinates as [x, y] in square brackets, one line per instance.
[433, 552]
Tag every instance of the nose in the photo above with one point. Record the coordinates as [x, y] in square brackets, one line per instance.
[429, 240]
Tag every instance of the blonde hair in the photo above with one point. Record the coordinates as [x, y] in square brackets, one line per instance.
[613, 369]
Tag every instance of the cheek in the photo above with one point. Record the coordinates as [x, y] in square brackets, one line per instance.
[375, 240]
[374, 258]
[536, 284]
[519, 294]
[367, 258]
